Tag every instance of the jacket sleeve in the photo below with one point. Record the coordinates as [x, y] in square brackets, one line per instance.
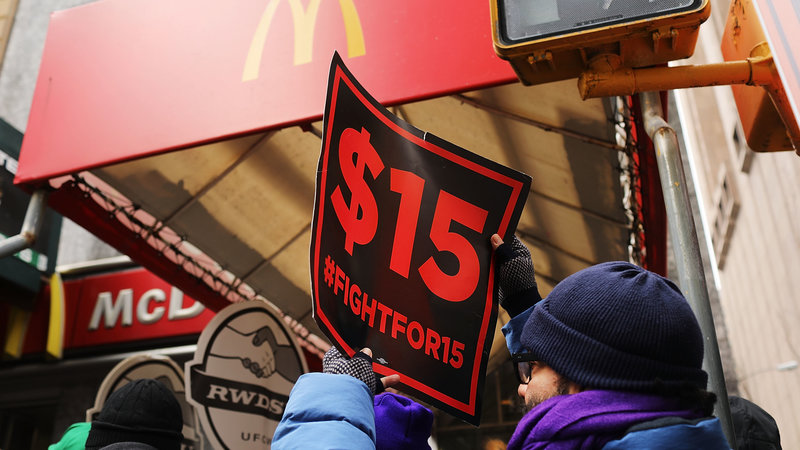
[513, 330]
[327, 411]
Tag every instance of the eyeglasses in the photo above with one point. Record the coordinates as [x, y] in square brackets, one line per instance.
[523, 363]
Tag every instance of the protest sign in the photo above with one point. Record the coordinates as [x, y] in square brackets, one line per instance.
[400, 254]
[246, 363]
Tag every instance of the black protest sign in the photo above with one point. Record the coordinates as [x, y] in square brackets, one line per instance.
[400, 254]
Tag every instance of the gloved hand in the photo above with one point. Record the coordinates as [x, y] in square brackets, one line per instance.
[516, 284]
[359, 367]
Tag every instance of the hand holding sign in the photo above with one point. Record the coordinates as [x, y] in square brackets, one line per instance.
[516, 282]
[400, 254]
[359, 367]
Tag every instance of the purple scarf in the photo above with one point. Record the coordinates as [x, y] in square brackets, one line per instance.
[590, 419]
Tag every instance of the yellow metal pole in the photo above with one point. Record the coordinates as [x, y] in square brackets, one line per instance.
[757, 70]
[752, 71]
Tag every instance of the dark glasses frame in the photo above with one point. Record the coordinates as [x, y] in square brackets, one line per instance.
[523, 364]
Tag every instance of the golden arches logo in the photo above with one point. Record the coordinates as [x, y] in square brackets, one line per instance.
[304, 22]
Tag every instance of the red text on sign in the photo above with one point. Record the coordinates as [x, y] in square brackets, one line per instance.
[394, 323]
[359, 219]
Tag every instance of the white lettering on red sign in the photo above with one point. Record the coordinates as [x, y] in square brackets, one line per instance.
[110, 311]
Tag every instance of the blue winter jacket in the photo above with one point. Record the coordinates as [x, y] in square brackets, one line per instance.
[673, 433]
[310, 421]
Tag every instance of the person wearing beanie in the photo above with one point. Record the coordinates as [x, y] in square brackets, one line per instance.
[142, 414]
[611, 359]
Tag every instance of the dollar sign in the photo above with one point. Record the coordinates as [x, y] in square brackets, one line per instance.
[356, 154]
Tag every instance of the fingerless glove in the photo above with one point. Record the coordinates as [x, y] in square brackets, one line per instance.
[359, 367]
[516, 284]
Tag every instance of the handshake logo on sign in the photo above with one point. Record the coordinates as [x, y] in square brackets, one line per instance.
[260, 353]
[245, 365]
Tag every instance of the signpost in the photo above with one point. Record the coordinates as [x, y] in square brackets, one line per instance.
[21, 275]
[400, 254]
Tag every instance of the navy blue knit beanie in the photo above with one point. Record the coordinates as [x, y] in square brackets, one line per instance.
[617, 326]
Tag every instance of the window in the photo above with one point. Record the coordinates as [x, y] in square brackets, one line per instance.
[744, 155]
[726, 208]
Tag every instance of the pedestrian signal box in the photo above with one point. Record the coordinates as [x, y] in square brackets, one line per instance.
[549, 40]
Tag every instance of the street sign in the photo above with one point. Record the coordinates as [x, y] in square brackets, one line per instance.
[400, 254]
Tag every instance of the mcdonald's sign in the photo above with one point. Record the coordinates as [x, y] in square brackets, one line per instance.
[304, 21]
[204, 70]
[98, 310]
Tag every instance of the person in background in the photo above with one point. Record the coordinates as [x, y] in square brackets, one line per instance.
[755, 428]
[401, 423]
[610, 359]
[74, 438]
[345, 407]
[144, 414]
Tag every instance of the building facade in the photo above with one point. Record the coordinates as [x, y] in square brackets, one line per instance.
[750, 205]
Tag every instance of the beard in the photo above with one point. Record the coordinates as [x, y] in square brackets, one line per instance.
[561, 388]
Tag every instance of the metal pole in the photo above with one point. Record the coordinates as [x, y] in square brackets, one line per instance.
[753, 71]
[31, 226]
[686, 247]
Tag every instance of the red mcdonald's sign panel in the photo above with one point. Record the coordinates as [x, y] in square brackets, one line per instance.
[129, 306]
[114, 308]
[127, 79]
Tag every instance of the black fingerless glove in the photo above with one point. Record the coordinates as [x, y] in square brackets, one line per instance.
[516, 284]
[359, 367]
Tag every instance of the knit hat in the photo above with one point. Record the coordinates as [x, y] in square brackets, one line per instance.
[617, 326]
[401, 423]
[143, 411]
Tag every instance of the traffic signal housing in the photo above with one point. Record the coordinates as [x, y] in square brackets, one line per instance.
[549, 40]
